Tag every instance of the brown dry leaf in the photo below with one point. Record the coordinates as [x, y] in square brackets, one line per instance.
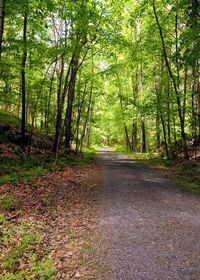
[62, 202]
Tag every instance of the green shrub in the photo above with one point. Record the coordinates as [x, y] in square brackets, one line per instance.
[8, 203]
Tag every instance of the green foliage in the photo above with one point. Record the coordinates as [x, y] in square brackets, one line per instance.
[133, 155]
[9, 119]
[12, 170]
[8, 203]
[25, 244]
[2, 219]
[29, 169]
[122, 79]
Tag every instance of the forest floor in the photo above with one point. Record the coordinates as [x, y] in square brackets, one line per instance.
[149, 227]
[47, 229]
[118, 219]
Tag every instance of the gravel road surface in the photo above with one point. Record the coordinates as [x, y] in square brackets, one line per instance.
[150, 230]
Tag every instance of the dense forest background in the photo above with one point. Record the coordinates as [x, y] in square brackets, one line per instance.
[93, 72]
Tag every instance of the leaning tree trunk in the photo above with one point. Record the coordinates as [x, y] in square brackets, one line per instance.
[23, 78]
[176, 89]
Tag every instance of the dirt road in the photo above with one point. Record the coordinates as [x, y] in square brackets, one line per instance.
[150, 229]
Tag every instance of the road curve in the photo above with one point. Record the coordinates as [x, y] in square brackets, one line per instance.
[150, 230]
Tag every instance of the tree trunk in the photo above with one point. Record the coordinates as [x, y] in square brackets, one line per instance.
[135, 96]
[185, 92]
[2, 18]
[86, 119]
[23, 78]
[134, 136]
[168, 114]
[143, 135]
[59, 109]
[128, 142]
[80, 108]
[157, 129]
[49, 100]
[182, 125]
[197, 89]
[164, 134]
[71, 94]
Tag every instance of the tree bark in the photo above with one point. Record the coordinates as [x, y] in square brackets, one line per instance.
[2, 18]
[59, 109]
[143, 135]
[157, 129]
[128, 142]
[168, 114]
[71, 94]
[80, 108]
[134, 125]
[134, 136]
[197, 89]
[23, 78]
[182, 125]
[87, 118]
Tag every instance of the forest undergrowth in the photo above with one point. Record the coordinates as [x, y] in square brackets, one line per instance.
[47, 230]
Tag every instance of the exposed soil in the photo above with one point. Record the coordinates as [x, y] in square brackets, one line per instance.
[150, 229]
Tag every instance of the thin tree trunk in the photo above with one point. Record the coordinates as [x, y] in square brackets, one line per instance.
[143, 135]
[165, 135]
[134, 125]
[2, 18]
[182, 125]
[89, 126]
[198, 95]
[59, 110]
[134, 135]
[185, 92]
[23, 78]
[49, 100]
[79, 116]
[160, 109]
[143, 128]
[128, 142]
[194, 126]
[177, 47]
[157, 129]
[168, 114]
[86, 119]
